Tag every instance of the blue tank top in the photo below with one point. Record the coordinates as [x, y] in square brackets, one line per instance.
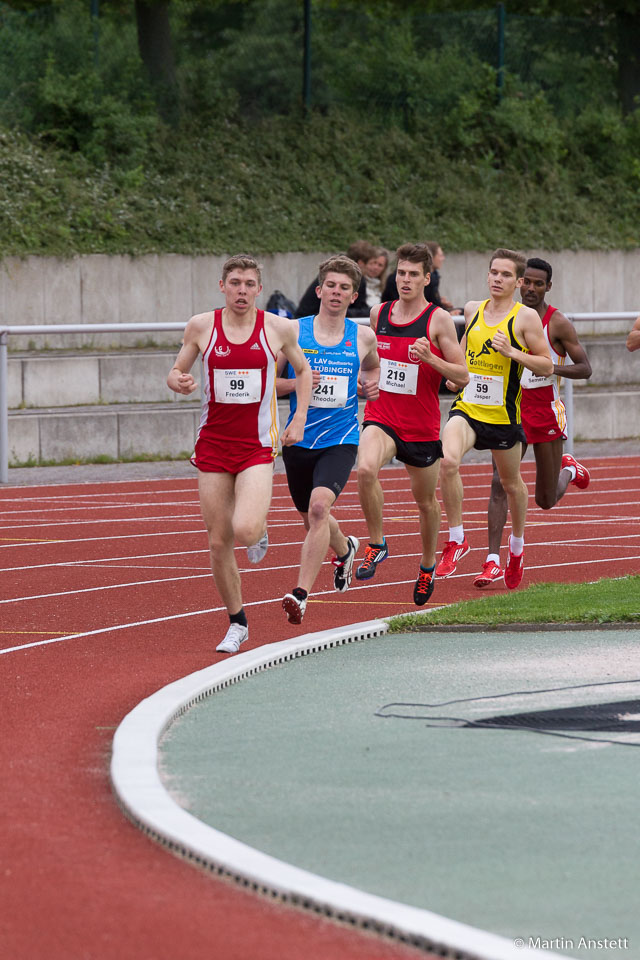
[333, 411]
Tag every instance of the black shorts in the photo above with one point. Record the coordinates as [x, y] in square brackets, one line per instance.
[324, 467]
[492, 436]
[415, 453]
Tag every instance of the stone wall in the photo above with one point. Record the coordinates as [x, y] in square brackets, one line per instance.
[170, 288]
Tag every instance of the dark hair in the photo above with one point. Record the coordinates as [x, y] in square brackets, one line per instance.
[416, 253]
[518, 259]
[361, 250]
[340, 264]
[536, 263]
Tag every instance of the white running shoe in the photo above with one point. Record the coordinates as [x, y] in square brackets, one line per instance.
[294, 608]
[234, 638]
[344, 569]
[257, 551]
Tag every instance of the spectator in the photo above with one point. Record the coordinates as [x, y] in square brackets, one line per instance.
[375, 274]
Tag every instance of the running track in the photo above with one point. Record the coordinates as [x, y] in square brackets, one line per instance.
[106, 596]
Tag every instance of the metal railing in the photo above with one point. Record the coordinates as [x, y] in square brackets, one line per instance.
[31, 330]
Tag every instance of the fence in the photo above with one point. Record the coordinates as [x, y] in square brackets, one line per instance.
[153, 327]
[57, 62]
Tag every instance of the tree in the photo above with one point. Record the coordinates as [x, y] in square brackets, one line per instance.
[156, 51]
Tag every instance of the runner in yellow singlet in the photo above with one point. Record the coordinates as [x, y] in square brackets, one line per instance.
[501, 338]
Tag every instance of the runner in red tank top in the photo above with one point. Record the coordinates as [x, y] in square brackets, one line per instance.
[237, 438]
[543, 416]
[418, 345]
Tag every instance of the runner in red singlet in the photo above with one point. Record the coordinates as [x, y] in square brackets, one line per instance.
[238, 434]
[417, 345]
[633, 339]
[543, 416]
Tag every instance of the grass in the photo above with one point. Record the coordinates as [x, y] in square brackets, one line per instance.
[215, 193]
[604, 601]
[101, 458]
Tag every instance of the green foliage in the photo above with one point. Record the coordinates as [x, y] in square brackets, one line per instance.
[406, 138]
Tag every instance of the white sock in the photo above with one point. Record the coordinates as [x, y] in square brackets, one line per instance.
[456, 533]
[494, 557]
[516, 545]
[572, 471]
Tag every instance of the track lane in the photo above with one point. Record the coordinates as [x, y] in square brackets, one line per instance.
[104, 889]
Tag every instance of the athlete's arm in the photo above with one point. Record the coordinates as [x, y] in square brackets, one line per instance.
[286, 385]
[287, 333]
[180, 380]
[564, 339]
[443, 334]
[373, 316]
[369, 375]
[528, 327]
[633, 340]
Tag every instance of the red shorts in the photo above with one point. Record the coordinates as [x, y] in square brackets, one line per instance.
[223, 456]
[542, 422]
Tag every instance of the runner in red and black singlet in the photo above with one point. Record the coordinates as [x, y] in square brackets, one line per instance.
[237, 437]
[408, 401]
[417, 345]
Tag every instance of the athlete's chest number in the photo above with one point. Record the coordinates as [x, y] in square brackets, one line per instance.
[237, 386]
[484, 391]
[398, 377]
[330, 391]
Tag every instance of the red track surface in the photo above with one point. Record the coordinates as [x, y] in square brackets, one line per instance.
[106, 596]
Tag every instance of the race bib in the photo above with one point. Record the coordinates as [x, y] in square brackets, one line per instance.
[530, 381]
[484, 391]
[397, 377]
[330, 391]
[237, 386]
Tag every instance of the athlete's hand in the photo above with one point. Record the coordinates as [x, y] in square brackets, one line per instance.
[502, 344]
[293, 433]
[451, 385]
[421, 349]
[317, 376]
[370, 389]
[182, 383]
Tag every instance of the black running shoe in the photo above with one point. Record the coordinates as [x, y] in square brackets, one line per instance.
[424, 587]
[373, 555]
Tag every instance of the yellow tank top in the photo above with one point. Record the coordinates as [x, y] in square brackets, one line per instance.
[493, 392]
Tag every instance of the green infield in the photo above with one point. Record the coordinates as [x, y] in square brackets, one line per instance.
[604, 601]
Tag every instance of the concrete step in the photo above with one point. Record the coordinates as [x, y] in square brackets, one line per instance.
[125, 431]
[71, 378]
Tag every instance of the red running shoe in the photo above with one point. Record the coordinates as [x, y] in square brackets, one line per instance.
[582, 477]
[450, 555]
[514, 570]
[490, 573]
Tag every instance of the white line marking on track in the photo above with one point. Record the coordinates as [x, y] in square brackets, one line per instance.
[278, 599]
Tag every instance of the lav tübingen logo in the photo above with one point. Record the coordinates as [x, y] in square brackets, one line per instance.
[598, 712]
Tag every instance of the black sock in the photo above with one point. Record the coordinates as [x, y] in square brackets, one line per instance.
[299, 593]
[380, 546]
[240, 617]
[428, 569]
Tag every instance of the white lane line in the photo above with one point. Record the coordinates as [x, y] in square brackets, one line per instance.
[264, 602]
